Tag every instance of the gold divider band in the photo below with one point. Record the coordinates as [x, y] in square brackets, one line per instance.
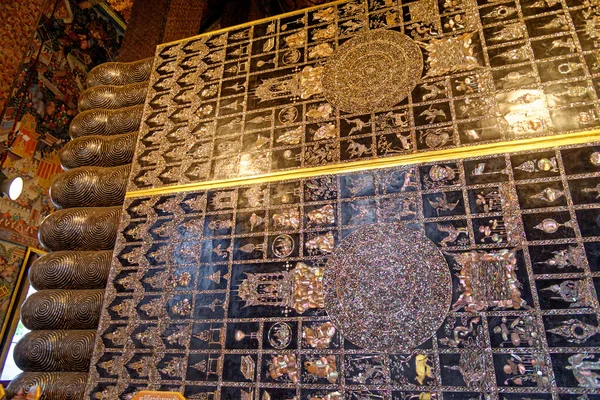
[512, 146]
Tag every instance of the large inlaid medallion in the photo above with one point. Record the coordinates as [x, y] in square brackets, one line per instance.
[372, 71]
[387, 288]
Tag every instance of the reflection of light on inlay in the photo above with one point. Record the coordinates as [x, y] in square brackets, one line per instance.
[300, 289]
[488, 279]
[387, 287]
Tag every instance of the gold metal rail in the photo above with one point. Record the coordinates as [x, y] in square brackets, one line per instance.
[511, 146]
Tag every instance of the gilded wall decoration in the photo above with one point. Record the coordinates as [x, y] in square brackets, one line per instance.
[223, 294]
[290, 93]
[123, 7]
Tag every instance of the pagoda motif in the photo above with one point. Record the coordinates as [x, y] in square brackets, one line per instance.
[300, 289]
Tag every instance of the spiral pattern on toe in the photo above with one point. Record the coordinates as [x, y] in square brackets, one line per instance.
[80, 229]
[99, 151]
[75, 351]
[54, 385]
[71, 270]
[52, 351]
[119, 74]
[62, 309]
[106, 122]
[90, 187]
[65, 312]
[34, 352]
[112, 97]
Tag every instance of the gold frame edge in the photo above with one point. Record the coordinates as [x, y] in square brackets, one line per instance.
[512, 146]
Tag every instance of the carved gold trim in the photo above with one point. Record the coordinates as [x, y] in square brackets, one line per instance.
[117, 18]
[512, 146]
[252, 23]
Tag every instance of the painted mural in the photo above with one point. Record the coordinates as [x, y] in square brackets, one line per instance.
[20, 19]
[71, 38]
[123, 7]
[11, 264]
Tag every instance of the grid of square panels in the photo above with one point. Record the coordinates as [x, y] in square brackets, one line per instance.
[198, 302]
[248, 101]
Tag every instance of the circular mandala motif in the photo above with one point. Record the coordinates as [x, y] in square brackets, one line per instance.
[280, 335]
[387, 288]
[372, 71]
[283, 246]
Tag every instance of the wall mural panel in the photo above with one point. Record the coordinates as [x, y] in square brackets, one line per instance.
[266, 291]
[22, 18]
[462, 279]
[71, 38]
[12, 260]
[325, 86]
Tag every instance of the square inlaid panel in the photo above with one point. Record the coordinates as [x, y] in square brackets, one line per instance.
[362, 80]
[225, 294]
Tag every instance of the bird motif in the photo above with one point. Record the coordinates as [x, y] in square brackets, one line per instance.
[431, 114]
[452, 232]
[442, 204]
